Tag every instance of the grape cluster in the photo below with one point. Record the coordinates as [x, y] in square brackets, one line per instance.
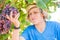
[8, 9]
[5, 24]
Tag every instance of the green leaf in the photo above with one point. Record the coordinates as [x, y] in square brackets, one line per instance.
[46, 1]
[41, 4]
[30, 1]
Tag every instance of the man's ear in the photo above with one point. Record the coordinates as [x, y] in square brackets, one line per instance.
[45, 14]
[42, 15]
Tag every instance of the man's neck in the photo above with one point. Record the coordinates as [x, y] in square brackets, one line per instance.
[41, 26]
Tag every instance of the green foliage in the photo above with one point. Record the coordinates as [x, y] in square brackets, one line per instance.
[41, 4]
[44, 4]
[30, 1]
[4, 36]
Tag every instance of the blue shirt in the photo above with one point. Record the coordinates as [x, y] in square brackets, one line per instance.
[51, 32]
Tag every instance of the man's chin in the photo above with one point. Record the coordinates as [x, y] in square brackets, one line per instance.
[35, 23]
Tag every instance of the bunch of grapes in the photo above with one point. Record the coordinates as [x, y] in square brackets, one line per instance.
[5, 24]
[8, 9]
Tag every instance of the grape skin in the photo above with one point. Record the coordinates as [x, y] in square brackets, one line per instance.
[5, 25]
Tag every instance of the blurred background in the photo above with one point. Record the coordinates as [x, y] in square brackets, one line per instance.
[51, 6]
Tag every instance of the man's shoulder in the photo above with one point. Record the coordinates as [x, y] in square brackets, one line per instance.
[52, 22]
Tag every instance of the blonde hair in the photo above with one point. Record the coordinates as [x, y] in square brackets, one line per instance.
[31, 6]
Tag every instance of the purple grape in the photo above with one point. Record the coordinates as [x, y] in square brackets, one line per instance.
[8, 5]
[5, 24]
[1, 26]
[8, 10]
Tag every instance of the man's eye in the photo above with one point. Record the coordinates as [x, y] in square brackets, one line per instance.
[35, 12]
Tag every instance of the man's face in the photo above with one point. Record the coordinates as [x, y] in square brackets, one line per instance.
[35, 16]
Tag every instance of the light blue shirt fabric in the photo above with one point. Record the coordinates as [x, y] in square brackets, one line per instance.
[51, 32]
